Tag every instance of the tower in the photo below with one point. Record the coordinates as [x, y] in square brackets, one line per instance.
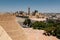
[28, 10]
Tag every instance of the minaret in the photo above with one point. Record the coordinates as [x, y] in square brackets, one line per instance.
[28, 10]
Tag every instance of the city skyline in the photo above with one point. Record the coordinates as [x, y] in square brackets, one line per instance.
[49, 6]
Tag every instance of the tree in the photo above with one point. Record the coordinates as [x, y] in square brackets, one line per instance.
[27, 22]
[38, 25]
[57, 32]
[50, 21]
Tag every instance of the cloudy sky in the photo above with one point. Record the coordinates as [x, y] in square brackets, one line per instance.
[40, 5]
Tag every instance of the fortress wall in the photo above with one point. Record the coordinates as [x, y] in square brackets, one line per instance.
[4, 35]
[7, 17]
[13, 29]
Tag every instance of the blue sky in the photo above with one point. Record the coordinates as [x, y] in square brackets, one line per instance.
[51, 6]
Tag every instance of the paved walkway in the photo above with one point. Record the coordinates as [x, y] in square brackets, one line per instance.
[12, 28]
[37, 35]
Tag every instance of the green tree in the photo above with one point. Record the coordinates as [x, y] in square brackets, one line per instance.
[57, 32]
[27, 22]
[38, 25]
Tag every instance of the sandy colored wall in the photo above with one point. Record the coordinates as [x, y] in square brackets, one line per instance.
[13, 29]
[4, 35]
